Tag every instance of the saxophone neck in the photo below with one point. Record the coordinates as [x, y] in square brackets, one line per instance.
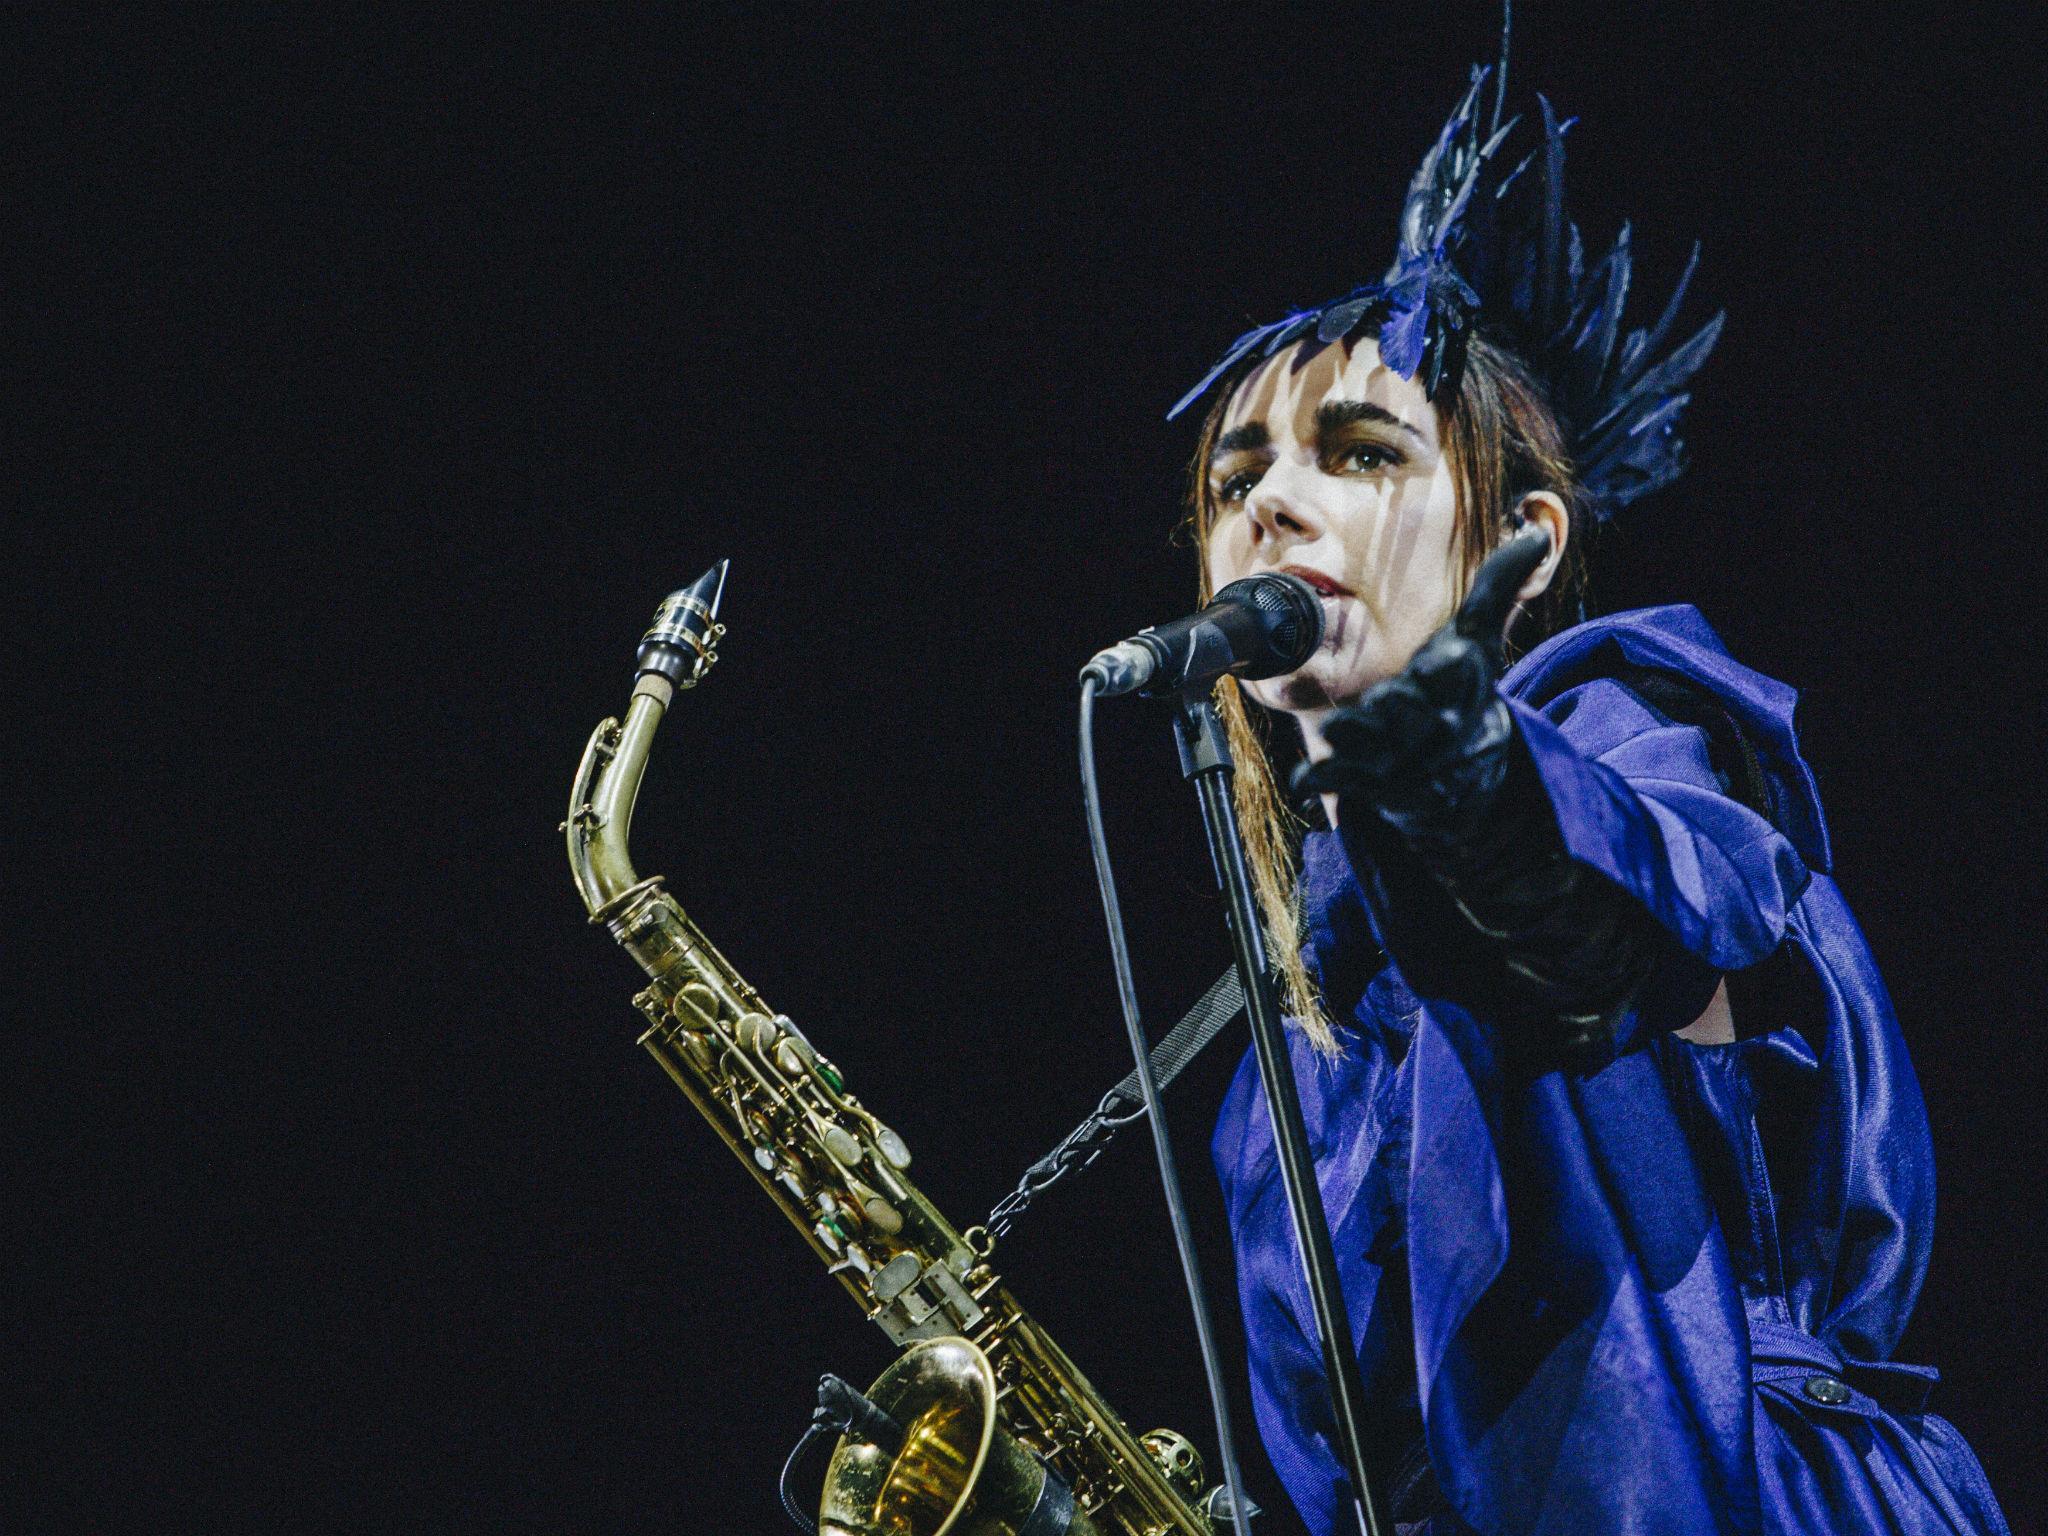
[601, 805]
[674, 654]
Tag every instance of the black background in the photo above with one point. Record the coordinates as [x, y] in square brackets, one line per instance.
[381, 374]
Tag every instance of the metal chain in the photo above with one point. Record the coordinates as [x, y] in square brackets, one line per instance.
[1121, 1105]
[1082, 1146]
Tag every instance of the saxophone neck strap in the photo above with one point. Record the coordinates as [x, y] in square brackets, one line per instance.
[1223, 1002]
[1202, 1023]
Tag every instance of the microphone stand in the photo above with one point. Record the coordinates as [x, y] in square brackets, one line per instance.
[1205, 760]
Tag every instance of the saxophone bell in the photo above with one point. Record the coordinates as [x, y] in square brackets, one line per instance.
[956, 1470]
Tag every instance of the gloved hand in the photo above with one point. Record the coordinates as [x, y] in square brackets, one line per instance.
[1430, 752]
[1428, 748]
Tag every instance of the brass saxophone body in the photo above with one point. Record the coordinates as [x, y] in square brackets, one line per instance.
[987, 1417]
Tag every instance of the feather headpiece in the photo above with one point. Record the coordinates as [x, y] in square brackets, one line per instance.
[1496, 251]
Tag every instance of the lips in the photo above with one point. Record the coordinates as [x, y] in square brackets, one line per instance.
[1328, 586]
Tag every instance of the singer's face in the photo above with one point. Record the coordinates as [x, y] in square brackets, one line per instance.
[1329, 465]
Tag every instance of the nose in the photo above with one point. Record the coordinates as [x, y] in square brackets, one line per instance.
[1282, 507]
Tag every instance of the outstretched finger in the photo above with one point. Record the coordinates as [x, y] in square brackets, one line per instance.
[1483, 616]
[1452, 673]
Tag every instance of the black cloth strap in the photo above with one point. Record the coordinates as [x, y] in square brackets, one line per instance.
[1202, 1023]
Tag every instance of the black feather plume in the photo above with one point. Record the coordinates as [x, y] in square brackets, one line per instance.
[1480, 251]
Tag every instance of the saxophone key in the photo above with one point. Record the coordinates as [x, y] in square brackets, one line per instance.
[787, 1174]
[882, 1214]
[893, 1147]
[856, 1260]
[696, 1007]
[695, 1048]
[757, 1032]
[842, 1144]
[788, 1026]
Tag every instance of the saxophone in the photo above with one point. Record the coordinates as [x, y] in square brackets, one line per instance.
[986, 1427]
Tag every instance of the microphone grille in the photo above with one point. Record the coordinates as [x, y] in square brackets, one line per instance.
[1290, 617]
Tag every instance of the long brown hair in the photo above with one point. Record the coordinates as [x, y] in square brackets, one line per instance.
[1501, 442]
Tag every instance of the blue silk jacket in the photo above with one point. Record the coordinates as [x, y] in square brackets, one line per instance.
[1660, 1297]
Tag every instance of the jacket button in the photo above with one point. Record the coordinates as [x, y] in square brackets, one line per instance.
[1825, 1389]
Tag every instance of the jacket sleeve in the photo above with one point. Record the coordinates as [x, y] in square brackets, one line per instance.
[1614, 880]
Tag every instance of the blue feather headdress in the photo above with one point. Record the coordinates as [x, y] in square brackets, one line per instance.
[1484, 250]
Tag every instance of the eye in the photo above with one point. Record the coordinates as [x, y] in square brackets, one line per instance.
[1234, 490]
[1364, 458]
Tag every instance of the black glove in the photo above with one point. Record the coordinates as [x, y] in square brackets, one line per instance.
[1434, 755]
[1428, 749]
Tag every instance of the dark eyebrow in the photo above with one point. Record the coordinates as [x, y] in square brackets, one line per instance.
[1333, 416]
[1252, 434]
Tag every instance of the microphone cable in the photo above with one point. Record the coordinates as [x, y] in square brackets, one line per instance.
[1169, 1176]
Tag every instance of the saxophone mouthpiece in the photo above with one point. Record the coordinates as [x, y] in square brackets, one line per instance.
[682, 644]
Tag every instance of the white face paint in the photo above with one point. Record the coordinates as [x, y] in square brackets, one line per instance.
[1329, 465]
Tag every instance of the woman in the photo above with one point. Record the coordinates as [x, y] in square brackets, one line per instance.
[1626, 1166]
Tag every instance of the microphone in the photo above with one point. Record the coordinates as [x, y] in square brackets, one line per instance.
[1261, 626]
